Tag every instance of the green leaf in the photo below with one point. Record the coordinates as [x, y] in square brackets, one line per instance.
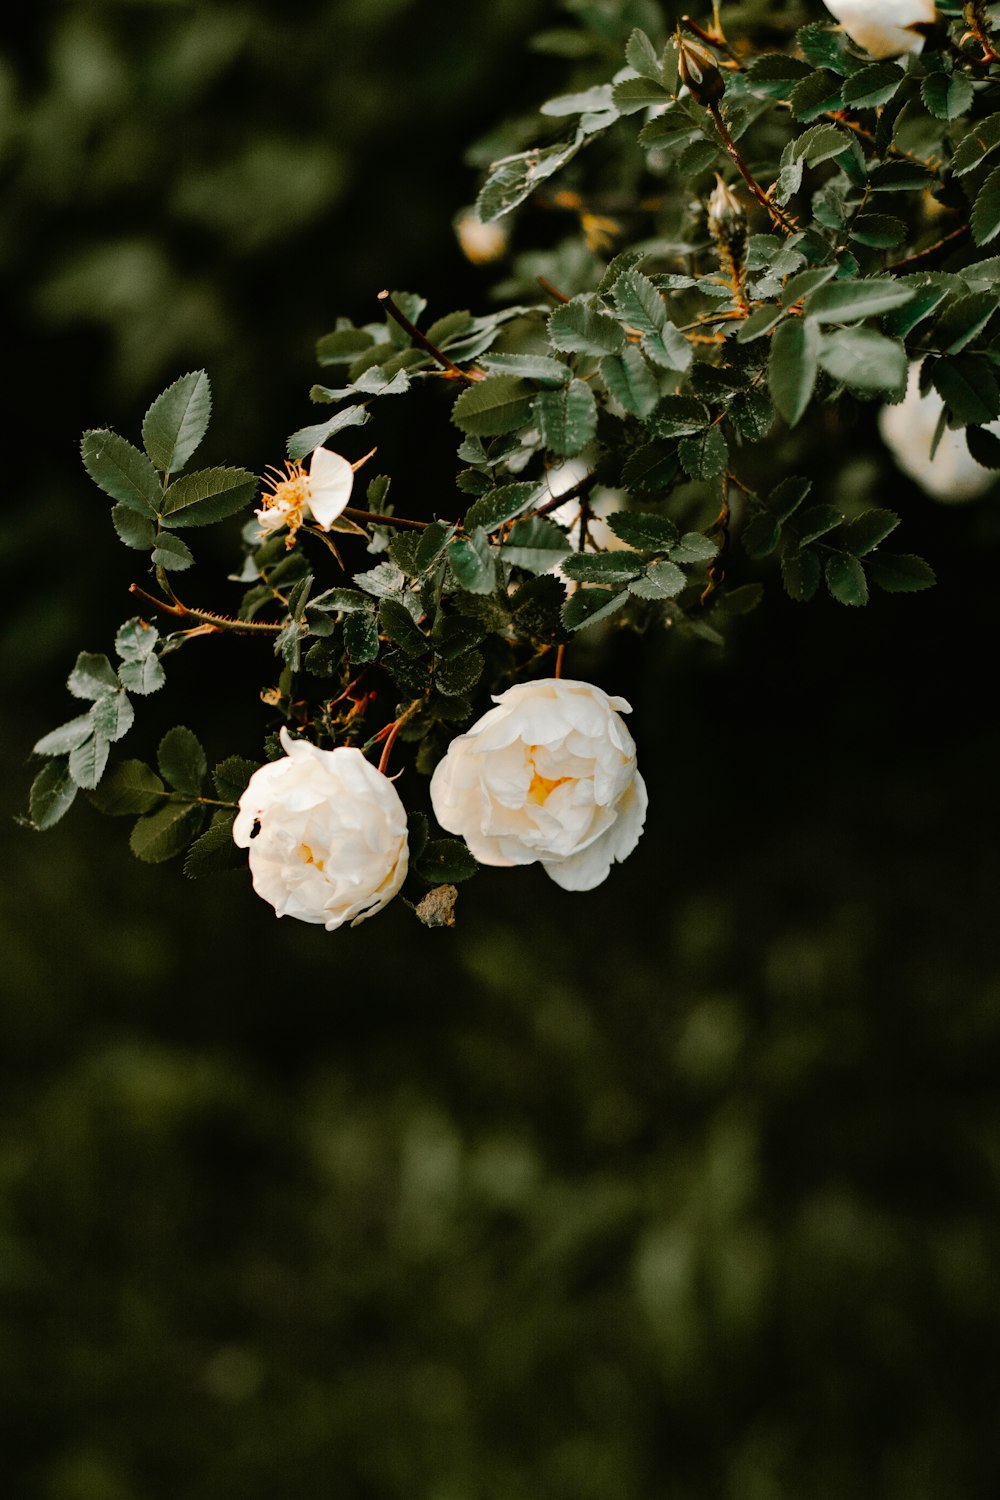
[502, 504]
[880, 231]
[578, 328]
[704, 455]
[403, 551]
[459, 674]
[140, 670]
[588, 606]
[384, 578]
[164, 833]
[66, 738]
[669, 349]
[801, 573]
[177, 421]
[926, 297]
[816, 95]
[121, 471]
[498, 404]
[820, 144]
[816, 522]
[804, 282]
[129, 787]
[343, 346]
[306, 439]
[662, 580]
[596, 99]
[694, 547]
[214, 851]
[676, 416]
[445, 330]
[232, 776]
[947, 95]
[87, 762]
[630, 381]
[396, 622]
[209, 495]
[433, 540]
[760, 321]
[761, 535]
[984, 447]
[603, 567]
[535, 544]
[874, 85]
[752, 414]
[968, 387]
[847, 301]
[473, 562]
[567, 418]
[641, 55]
[986, 212]
[864, 533]
[630, 95]
[112, 715]
[972, 148]
[92, 676]
[541, 367]
[182, 761]
[51, 796]
[845, 578]
[900, 572]
[645, 532]
[514, 178]
[786, 497]
[864, 360]
[962, 320]
[742, 600]
[638, 302]
[340, 601]
[361, 636]
[793, 365]
[134, 529]
[445, 861]
[172, 553]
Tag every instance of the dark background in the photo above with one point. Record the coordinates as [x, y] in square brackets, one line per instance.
[685, 1188]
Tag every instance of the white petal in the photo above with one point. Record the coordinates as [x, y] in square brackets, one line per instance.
[331, 480]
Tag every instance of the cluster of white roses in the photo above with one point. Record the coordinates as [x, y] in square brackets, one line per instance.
[549, 776]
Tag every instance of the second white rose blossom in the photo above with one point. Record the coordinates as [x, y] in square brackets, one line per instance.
[326, 834]
[908, 430]
[884, 27]
[549, 775]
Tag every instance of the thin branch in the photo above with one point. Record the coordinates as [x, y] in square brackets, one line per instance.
[553, 291]
[374, 520]
[778, 215]
[422, 341]
[929, 250]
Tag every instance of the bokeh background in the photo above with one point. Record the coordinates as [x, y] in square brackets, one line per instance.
[684, 1189]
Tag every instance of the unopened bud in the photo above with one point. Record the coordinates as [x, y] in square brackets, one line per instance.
[699, 70]
[727, 222]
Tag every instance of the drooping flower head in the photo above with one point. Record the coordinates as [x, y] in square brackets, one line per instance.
[326, 834]
[295, 494]
[548, 775]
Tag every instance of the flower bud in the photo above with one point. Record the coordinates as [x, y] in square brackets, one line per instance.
[699, 70]
[727, 224]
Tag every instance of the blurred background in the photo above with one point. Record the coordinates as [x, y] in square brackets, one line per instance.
[686, 1188]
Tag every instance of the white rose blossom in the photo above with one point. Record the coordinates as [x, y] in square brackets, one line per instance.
[548, 775]
[326, 834]
[884, 27]
[908, 430]
[319, 493]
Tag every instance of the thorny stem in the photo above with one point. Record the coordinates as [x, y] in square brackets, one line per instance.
[424, 343]
[778, 215]
[205, 617]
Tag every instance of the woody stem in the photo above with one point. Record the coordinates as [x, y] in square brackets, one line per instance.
[204, 616]
[778, 215]
[420, 339]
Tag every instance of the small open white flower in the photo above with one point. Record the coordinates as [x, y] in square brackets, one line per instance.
[549, 775]
[319, 493]
[326, 833]
[883, 27]
[908, 431]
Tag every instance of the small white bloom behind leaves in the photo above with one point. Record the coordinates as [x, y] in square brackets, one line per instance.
[326, 834]
[908, 430]
[884, 27]
[549, 775]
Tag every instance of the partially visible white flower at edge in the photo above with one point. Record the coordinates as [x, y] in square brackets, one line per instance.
[549, 776]
[602, 503]
[326, 834]
[883, 27]
[319, 493]
[908, 431]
